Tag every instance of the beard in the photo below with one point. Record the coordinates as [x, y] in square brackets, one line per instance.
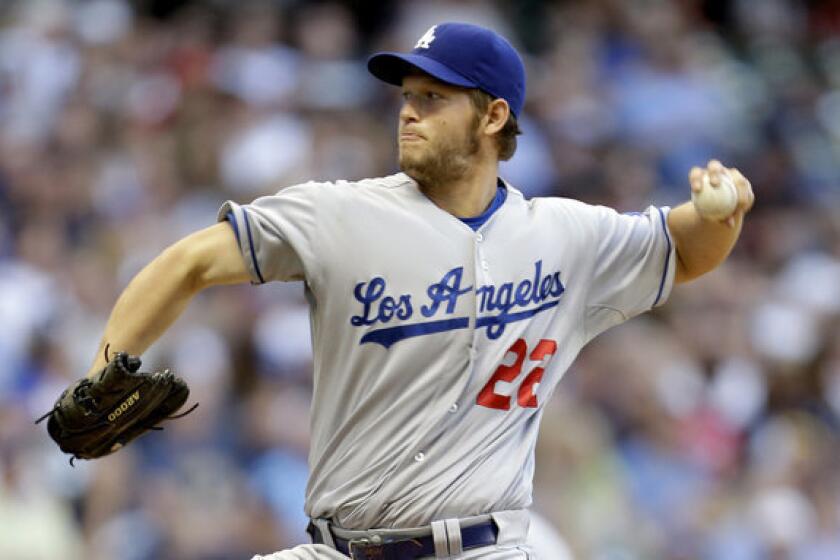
[444, 161]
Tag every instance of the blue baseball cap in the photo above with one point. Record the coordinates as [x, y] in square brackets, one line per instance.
[463, 55]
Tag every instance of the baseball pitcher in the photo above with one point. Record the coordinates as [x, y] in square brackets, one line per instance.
[445, 308]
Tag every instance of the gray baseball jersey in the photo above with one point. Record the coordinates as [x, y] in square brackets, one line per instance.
[436, 346]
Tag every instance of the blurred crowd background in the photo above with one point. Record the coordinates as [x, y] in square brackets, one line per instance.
[706, 430]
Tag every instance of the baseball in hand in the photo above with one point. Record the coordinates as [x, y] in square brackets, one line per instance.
[716, 203]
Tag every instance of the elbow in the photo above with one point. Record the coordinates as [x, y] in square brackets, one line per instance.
[206, 258]
[686, 271]
[182, 263]
[682, 274]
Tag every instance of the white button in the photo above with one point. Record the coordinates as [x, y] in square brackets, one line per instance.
[419, 457]
[479, 237]
[453, 408]
[484, 265]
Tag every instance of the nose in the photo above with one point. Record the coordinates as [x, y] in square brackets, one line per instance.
[408, 113]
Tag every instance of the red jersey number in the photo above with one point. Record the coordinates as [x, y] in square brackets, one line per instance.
[527, 398]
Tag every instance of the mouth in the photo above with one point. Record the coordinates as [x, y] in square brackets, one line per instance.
[406, 136]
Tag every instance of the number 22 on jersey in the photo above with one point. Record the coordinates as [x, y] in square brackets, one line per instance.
[526, 397]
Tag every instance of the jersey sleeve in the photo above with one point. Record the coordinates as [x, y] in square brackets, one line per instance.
[634, 266]
[276, 234]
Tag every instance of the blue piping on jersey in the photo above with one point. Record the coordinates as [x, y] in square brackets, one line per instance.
[387, 337]
[667, 258]
[251, 245]
[231, 218]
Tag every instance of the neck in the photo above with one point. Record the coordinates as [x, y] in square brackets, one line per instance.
[468, 196]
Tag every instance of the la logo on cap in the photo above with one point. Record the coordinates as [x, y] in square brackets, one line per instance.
[427, 38]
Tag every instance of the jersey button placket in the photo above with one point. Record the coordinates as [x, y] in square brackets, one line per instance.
[483, 266]
[419, 457]
[482, 279]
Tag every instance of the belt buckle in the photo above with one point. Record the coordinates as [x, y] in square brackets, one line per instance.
[374, 548]
[366, 549]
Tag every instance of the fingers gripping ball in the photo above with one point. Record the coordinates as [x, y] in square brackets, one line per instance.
[97, 416]
[716, 202]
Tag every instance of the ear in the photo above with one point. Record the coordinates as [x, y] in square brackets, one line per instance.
[497, 115]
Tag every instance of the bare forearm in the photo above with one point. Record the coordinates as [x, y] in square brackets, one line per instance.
[147, 307]
[701, 245]
[158, 295]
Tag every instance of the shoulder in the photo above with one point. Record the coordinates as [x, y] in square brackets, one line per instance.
[393, 182]
[556, 206]
[565, 217]
[338, 196]
[344, 187]
[565, 205]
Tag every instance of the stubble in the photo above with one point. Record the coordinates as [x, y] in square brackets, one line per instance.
[446, 160]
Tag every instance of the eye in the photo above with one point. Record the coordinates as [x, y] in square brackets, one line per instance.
[433, 96]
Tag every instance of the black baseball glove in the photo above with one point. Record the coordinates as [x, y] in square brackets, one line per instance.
[96, 416]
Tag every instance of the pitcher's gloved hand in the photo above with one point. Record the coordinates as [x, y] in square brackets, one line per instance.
[96, 416]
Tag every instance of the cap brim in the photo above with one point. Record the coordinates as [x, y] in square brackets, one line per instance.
[392, 67]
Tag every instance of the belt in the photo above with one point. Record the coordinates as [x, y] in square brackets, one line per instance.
[377, 547]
